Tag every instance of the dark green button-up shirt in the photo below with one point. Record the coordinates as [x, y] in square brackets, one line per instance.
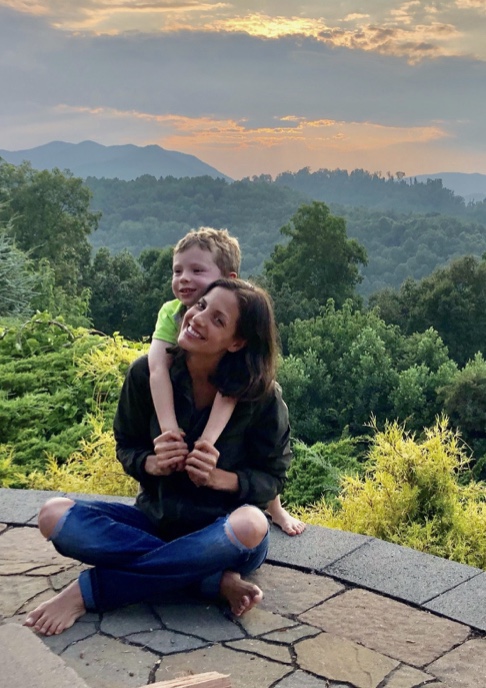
[254, 445]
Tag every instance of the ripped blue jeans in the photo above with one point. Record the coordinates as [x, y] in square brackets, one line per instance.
[132, 564]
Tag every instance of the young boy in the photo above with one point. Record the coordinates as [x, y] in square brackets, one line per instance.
[199, 258]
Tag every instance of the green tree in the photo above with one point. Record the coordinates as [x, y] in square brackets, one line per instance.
[50, 217]
[452, 300]
[17, 280]
[319, 262]
[126, 293]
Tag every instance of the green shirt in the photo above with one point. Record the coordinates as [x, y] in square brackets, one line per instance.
[168, 321]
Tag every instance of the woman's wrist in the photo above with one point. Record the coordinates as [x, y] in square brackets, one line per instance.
[223, 480]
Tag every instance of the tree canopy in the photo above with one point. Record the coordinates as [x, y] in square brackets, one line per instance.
[319, 262]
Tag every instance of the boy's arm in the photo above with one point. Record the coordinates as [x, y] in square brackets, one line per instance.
[161, 385]
[221, 412]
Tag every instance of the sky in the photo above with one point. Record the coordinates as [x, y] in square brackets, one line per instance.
[252, 87]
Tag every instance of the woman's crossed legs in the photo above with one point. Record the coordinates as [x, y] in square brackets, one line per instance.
[131, 564]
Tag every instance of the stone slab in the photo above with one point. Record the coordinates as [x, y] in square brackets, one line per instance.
[387, 626]
[201, 620]
[107, 663]
[464, 667]
[287, 591]
[408, 677]
[400, 571]
[465, 603]
[15, 591]
[127, 620]
[27, 662]
[257, 622]
[246, 671]
[288, 636]
[339, 659]
[263, 649]
[301, 679]
[81, 630]
[166, 642]
[27, 545]
[18, 507]
[314, 549]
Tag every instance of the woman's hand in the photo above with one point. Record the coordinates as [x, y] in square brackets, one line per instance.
[201, 463]
[170, 454]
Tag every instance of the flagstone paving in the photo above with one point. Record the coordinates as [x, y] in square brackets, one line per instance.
[323, 622]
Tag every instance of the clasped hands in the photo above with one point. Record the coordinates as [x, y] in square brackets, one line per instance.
[171, 454]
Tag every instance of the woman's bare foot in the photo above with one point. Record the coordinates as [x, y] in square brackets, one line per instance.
[54, 616]
[240, 594]
[281, 517]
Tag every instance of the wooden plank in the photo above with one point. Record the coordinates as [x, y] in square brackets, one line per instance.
[209, 680]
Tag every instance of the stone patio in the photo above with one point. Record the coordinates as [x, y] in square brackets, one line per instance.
[340, 611]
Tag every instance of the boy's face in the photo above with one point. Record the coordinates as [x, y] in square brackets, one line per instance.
[192, 271]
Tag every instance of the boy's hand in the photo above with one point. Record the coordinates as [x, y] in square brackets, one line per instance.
[170, 454]
[201, 462]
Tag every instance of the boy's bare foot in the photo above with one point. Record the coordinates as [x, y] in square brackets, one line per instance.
[240, 594]
[54, 616]
[289, 524]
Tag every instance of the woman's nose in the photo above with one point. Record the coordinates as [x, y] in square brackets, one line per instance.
[198, 317]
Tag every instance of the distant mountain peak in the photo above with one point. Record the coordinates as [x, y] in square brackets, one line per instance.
[124, 161]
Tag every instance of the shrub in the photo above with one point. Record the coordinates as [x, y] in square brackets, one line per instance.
[316, 471]
[411, 494]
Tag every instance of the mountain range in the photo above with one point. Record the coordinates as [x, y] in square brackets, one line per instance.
[126, 162]
[90, 159]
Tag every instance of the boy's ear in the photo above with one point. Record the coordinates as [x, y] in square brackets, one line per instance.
[236, 345]
[233, 275]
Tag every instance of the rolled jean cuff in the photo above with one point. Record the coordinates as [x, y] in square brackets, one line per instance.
[86, 588]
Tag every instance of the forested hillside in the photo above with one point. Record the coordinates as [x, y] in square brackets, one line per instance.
[358, 377]
[407, 230]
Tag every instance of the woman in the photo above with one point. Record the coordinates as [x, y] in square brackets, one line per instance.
[198, 520]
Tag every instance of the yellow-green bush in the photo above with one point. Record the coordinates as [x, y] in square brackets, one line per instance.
[411, 495]
[93, 469]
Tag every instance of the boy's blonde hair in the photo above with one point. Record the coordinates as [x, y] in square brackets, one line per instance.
[225, 249]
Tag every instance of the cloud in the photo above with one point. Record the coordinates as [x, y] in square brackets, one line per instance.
[245, 101]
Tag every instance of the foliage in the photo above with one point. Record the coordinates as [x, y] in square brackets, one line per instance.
[319, 262]
[152, 213]
[316, 472]
[452, 300]
[344, 365]
[411, 495]
[49, 216]
[374, 190]
[17, 282]
[126, 293]
[91, 469]
[53, 378]
[464, 401]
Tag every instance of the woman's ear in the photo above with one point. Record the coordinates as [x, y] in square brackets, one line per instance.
[236, 345]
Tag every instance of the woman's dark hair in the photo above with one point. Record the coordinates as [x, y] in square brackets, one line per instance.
[249, 374]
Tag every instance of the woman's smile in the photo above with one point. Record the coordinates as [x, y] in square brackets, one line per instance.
[210, 325]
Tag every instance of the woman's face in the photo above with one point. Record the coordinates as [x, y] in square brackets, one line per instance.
[209, 327]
